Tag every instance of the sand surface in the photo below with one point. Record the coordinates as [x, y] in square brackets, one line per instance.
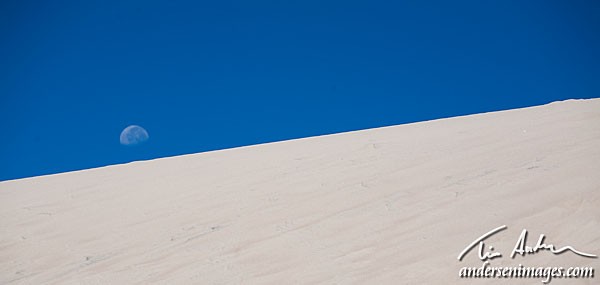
[393, 205]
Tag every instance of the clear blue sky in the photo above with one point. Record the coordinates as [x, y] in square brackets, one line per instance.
[206, 75]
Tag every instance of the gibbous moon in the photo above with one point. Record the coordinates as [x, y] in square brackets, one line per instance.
[133, 135]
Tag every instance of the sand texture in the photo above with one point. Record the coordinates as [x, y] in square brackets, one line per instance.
[392, 205]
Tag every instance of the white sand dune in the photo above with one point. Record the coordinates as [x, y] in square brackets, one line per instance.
[392, 205]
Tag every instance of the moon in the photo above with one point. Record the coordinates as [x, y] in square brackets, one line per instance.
[134, 135]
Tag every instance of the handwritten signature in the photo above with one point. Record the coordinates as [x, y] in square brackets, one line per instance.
[520, 247]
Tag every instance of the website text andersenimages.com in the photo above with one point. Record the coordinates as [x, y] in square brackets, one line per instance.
[545, 273]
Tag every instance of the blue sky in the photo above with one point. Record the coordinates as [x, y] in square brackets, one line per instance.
[206, 75]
